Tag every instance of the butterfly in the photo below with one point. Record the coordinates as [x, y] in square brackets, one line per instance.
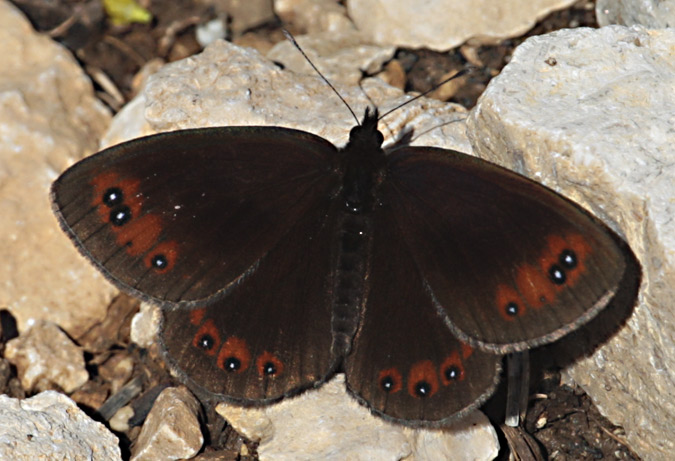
[279, 259]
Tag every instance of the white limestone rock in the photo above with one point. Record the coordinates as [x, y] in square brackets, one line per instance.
[171, 430]
[328, 424]
[45, 355]
[228, 85]
[49, 119]
[653, 14]
[341, 57]
[444, 24]
[50, 426]
[589, 112]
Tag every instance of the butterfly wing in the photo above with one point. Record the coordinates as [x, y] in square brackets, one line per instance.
[271, 336]
[405, 363]
[511, 263]
[181, 217]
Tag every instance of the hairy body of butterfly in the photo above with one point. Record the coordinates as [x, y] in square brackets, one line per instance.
[279, 259]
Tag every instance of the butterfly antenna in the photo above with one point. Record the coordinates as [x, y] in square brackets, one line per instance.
[419, 135]
[421, 95]
[291, 39]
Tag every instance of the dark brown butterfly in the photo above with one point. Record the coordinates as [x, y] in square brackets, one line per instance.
[279, 259]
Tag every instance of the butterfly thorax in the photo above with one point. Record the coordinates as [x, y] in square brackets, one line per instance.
[362, 163]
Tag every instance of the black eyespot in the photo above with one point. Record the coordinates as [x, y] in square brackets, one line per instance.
[422, 389]
[120, 216]
[557, 275]
[113, 197]
[512, 309]
[159, 261]
[269, 369]
[232, 364]
[206, 342]
[387, 384]
[452, 373]
[568, 259]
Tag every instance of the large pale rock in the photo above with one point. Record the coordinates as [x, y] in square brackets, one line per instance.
[342, 57]
[653, 14]
[49, 119]
[589, 112]
[308, 427]
[50, 426]
[444, 24]
[227, 85]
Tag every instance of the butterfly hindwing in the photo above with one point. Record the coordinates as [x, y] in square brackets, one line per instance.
[405, 362]
[181, 216]
[270, 337]
[511, 263]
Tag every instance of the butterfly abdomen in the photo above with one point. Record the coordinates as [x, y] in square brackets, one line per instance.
[353, 243]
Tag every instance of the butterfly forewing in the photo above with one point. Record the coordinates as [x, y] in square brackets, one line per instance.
[181, 216]
[511, 263]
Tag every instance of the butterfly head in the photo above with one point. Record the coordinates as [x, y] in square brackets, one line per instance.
[366, 134]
